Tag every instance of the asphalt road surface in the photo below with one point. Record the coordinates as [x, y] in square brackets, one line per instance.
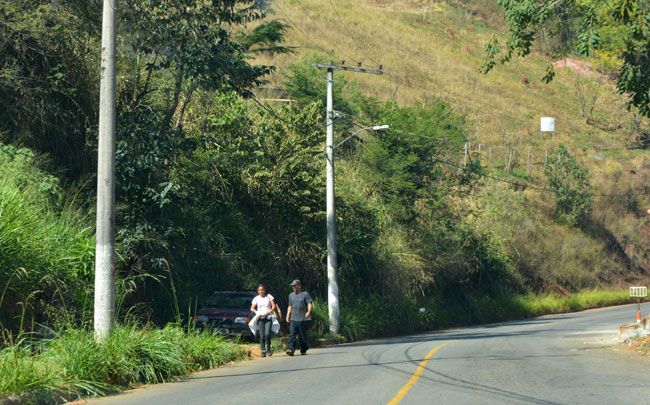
[562, 359]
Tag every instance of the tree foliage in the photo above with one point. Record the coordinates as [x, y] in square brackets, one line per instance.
[217, 192]
[47, 86]
[569, 180]
[619, 27]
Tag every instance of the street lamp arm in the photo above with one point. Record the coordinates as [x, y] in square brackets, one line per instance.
[374, 128]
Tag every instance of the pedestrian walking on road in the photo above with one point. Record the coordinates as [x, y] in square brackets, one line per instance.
[263, 306]
[298, 314]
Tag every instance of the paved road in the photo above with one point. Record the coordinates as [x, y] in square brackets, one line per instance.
[562, 359]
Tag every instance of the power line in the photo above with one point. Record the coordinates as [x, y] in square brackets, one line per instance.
[496, 178]
[294, 25]
[317, 26]
[353, 35]
[532, 186]
[332, 42]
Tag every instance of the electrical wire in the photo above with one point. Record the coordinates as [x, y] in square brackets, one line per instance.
[360, 124]
[492, 177]
[295, 26]
[315, 25]
[351, 34]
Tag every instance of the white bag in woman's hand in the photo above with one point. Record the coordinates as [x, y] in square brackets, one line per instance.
[253, 324]
[275, 325]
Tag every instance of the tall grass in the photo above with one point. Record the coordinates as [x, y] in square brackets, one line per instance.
[74, 364]
[46, 244]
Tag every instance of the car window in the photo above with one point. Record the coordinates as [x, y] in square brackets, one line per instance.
[229, 300]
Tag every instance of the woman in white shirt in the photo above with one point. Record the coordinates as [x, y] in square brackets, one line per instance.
[263, 306]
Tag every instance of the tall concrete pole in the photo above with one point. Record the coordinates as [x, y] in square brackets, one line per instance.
[104, 314]
[332, 284]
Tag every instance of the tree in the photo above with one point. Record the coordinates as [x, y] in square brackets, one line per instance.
[569, 180]
[172, 52]
[48, 68]
[401, 162]
[618, 27]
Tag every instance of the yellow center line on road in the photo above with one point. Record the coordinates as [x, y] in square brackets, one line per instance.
[415, 377]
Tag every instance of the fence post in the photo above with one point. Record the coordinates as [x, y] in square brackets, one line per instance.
[489, 157]
[466, 153]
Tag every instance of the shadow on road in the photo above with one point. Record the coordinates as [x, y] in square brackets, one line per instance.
[443, 336]
[392, 366]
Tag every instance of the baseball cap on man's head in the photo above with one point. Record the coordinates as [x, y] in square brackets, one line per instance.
[295, 282]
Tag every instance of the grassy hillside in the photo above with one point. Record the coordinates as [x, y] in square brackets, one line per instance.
[433, 49]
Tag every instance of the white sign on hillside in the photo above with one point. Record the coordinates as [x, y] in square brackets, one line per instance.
[547, 124]
[638, 292]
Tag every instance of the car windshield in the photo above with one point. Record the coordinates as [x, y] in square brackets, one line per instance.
[229, 300]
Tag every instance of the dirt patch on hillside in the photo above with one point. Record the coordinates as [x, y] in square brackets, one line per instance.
[579, 67]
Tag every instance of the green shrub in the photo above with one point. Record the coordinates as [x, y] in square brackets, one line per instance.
[80, 363]
[368, 318]
[205, 350]
[22, 373]
[144, 355]
[75, 364]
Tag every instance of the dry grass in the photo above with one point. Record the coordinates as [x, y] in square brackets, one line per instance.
[434, 49]
[641, 346]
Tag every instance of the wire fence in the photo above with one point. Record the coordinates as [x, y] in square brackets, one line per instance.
[506, 157]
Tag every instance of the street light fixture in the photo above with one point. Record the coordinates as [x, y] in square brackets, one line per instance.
[376, 128]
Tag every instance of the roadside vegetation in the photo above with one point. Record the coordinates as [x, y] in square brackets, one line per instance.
[219, 190]
[377, 318]
[640, 345]
[74, 364]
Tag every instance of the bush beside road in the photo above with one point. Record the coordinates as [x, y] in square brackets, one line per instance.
[73, 364]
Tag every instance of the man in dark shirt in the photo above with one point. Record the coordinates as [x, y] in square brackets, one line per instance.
[298, 313]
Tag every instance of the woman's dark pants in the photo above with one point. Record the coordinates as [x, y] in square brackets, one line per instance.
[264, 331]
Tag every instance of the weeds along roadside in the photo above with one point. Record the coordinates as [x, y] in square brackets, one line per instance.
[375, 317]
[74, 364]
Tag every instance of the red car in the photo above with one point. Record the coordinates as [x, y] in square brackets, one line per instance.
[227, 312]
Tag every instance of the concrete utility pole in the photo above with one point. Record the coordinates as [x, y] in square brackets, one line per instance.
[104, 312]
[332, 285]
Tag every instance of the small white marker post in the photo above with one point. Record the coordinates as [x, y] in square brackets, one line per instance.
[547, 124]
[638, 293]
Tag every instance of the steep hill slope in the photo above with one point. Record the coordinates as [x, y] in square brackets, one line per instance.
[434, 49]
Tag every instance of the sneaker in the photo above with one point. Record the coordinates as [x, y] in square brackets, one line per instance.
[269, 353]
[289, 352]
[302, 353]
[263, 354]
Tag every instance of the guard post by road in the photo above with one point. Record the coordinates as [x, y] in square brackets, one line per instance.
[639, 293]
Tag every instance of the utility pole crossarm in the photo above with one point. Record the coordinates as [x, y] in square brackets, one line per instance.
[348, 68]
